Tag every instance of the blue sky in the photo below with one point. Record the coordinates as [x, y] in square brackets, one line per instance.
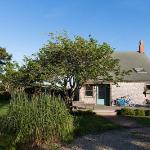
[25, 24]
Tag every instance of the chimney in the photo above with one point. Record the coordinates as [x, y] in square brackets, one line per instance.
[141, 47]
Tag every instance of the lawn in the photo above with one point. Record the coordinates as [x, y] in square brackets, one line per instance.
[3, 107]
[145, 120]
[88, 123]
[3, 111]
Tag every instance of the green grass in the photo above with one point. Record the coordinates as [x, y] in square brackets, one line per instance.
[3, 111]
[3, 107]
[145, 121]
[90, 123]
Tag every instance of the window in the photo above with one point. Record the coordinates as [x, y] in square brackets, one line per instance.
[147, 88]
[88, 90]
[139, 70]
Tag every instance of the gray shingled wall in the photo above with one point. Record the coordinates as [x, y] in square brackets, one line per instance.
[133, 89]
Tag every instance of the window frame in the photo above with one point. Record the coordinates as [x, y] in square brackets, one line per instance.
[88, 90]
[147, 90]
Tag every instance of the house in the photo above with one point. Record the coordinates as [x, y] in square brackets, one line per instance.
[136, 85]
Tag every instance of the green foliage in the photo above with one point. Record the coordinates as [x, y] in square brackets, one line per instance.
[9, 78]
[127, 112]
[8, 70]
[41, 120]
[71, 62]
[133, 112]
[4, 59]
[147, 112]
[66, 62]
[139, 112]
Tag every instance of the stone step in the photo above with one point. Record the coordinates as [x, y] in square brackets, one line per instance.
[105, 112]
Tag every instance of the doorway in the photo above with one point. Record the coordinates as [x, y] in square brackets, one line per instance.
[103, 94]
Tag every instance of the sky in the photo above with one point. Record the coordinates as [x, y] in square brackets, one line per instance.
[25, 24]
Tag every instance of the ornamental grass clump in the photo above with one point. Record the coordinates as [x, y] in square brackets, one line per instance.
[41, 120]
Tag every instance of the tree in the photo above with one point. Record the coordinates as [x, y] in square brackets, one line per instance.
[5, 58]
[9, 71]
[69, 63]
[10, 76]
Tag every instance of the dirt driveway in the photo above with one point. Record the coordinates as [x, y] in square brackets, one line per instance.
[122, 139]
[131, 137]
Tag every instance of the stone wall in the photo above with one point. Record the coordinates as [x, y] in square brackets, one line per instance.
[133, 89]
[87, 99]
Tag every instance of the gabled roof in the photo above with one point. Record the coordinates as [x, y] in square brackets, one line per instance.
[134, 61]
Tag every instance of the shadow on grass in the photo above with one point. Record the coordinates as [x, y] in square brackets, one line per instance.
[145, 120]
[89, 123]
[3, 107]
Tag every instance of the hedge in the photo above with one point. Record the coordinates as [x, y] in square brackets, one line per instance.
[133, 112]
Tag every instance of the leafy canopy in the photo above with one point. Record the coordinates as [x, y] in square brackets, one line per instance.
[72, 62]
[68, 63]
[4, 59]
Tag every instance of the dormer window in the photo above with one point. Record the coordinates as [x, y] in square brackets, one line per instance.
[139, 70]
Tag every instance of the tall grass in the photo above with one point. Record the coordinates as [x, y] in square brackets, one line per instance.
[42, 119]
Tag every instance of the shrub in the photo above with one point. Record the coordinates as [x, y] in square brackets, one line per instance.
[41, 120]
[5, 96]
[147, 112]
[127, 112]
[139, 112]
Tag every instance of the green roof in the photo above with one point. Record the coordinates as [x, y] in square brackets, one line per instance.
[132, 61]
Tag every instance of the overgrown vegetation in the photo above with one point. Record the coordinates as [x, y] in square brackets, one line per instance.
[45, 120]
[41, 120]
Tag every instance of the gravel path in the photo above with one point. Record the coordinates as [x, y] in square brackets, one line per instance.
[132, 137]
[122, 139]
